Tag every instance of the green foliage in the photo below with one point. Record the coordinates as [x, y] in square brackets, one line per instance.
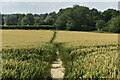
[28, 19]
[114, 25]
[24, 21]
[20, 16]
[50, 19]
[100, 24]
[37, 21]
[42, 18]
[69, 25]
[53, 37]
[109, 14]
[61, 22]
[0, 19]
[74, 18]
[77, 18]
[11, 19]
[28, 27]
[96, 15]
[62, 18]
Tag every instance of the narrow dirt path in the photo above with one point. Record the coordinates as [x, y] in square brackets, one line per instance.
[57, 69]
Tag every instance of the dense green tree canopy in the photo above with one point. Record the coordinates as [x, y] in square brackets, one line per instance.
[79, 16]
[50, 18]
[62, 18]
[37, 21]
[27, 19]
[30, 19]
[95, 15]
[19, 17]
[114, 25]
[0, 19]
[110, 13]
[24, 21]
[75, 18]
[71, 18]
[42, 18]
[100, 24]
[11, 19]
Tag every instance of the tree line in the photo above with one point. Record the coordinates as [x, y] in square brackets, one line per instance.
[77, 18]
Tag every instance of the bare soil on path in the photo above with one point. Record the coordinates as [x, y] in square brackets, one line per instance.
[57, 70]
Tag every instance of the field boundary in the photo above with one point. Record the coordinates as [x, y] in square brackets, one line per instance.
[29, 28]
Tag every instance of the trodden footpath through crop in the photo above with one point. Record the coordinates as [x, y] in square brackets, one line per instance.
[57, 68]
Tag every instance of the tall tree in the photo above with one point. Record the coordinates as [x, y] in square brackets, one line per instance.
[19, 17]
[28, 19]
[0, 19]
[109, 14]
[11, 19]
[24, 21]
[100, 24]
[50, 19]
[37, 21]
[79, 16]
[42, 18]
[114, 25]
[95, 15]
[62, 18]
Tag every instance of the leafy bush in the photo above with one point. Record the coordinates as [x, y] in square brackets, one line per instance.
[100, 24]
[114, 25]
[28, 27]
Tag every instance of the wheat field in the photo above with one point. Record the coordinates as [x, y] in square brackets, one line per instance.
[27, 37]
[77, 51]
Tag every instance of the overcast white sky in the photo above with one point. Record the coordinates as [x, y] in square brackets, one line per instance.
[44, 6]
[60, 0]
